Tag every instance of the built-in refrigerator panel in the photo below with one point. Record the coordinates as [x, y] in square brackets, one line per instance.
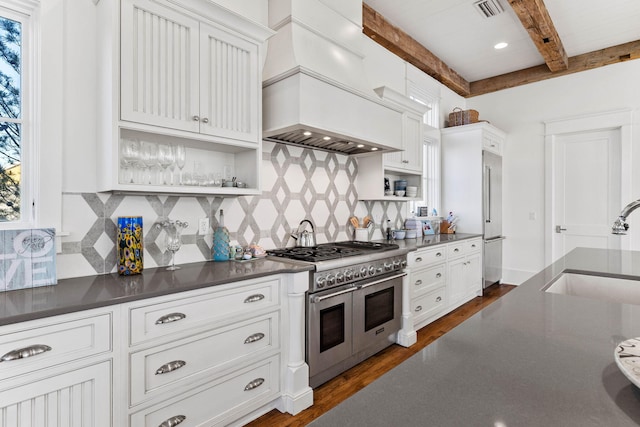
[492, 217]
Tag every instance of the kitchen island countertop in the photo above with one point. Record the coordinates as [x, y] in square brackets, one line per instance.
[530, 359]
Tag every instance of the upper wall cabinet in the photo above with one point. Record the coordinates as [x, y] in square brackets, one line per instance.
[179, 74]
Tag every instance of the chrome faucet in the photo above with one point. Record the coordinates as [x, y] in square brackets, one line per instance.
[620, 226]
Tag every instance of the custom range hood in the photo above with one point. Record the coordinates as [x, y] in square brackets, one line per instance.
[315, 91]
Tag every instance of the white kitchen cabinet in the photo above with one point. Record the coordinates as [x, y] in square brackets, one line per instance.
[217, 355]
[443, 277]
[410, 158]
[464, 272]
[58, 371]
[180, 72]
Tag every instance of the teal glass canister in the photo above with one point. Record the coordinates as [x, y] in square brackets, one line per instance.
[221, 240]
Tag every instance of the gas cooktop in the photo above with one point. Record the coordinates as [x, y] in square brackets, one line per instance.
[329, 251]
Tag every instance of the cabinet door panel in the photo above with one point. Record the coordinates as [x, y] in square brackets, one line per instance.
[228, 85]
[412, 142]
[81, 397]
[159, 62]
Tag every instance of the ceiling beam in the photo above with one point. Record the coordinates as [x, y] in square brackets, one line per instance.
[586, 61]
[400, 43]
[536, 20]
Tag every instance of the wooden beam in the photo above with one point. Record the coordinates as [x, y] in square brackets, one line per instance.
[400, 43]
[587, 61]
[536, 20]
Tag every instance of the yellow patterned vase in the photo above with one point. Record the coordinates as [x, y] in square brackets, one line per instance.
[130, 245]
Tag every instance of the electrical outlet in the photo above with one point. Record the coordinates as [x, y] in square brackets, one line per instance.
[203, 226]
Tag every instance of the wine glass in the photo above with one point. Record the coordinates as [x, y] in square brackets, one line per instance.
[173, 239]
[149, 158]
[129, 156]
[180, 156]
[165, 159]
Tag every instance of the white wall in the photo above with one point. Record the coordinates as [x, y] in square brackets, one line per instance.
[521, 112]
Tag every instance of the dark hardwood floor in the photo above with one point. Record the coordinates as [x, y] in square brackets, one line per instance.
[348, 383]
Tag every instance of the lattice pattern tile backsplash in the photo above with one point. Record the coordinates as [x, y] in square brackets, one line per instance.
[297, 183]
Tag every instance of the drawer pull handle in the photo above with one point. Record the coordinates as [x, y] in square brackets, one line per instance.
[418, 282]
[253, 338]
[171, 366]
[173, 421]
[419, 308]
[171, 317]
[438, 254]
[419, 259]
[253, 298]
[456, 250]
[23, 353]
[254, 384]
[438, 299]
[473, 246]
[439, 275]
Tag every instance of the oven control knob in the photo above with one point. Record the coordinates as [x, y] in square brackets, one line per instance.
[331, 280]
[348, 274]
[339, 278]
[396, 265]
[388, 266]
[372, 270]
[363, 271]
[320, 281]
[403, 264]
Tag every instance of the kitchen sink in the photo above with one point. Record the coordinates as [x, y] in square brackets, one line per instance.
[626, 291]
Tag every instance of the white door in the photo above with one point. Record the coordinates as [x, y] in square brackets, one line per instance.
[586, 190]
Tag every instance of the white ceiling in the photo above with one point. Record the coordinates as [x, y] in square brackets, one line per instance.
[460, 36]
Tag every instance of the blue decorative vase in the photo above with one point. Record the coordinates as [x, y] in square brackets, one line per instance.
[130, 245]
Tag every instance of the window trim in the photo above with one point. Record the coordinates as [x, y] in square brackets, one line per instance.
[26, 12]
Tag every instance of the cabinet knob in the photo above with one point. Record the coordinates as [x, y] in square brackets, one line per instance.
[439, 275]
[405, 161]
[173, 421]
[23, 353]
[418, 308]
[456, 250]
[254, 384]
[418, 259]
[205, 120]
[438, 254]
[196, 118]
[438, 299]
[418, 282]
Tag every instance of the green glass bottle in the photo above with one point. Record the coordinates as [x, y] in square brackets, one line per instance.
[221, 240]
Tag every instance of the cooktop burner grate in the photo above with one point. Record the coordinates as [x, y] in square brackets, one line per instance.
[329, 251]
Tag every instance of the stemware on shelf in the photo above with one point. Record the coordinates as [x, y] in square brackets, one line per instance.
[165, 160]
[129, 157]
[180, 155]
[150, 160]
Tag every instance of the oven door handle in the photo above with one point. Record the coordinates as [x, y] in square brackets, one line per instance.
[382, 280]
[317, 299]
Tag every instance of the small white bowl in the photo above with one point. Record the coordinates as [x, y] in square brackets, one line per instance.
[412, 189]
[400, 193]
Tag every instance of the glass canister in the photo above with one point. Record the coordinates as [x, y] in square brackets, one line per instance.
[130, 245]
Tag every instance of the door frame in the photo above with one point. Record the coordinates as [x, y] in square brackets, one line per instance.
[611, 120]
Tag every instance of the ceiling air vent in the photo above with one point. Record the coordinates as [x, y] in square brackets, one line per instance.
[489, 8]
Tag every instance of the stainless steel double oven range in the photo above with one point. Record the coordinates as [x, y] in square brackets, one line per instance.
[354, 303]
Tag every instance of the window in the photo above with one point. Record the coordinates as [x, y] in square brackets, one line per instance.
[16, 164]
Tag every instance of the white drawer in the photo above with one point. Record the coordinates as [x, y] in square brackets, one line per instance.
[426, 257]
[429, 304]
[250, 388]
[424, 279]
[455, 250]
[53, 342]
[183, 314]
[201, 356]
[473, 245]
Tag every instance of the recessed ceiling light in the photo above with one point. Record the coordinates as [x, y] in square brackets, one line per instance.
[360, 145]
[326, 138]
[374, 148]
[307, 133]
[501, 45]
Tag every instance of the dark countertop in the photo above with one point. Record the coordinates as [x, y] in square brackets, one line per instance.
[84, 293]
[530, 359]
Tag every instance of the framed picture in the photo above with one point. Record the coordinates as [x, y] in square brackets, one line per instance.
[423, 211]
